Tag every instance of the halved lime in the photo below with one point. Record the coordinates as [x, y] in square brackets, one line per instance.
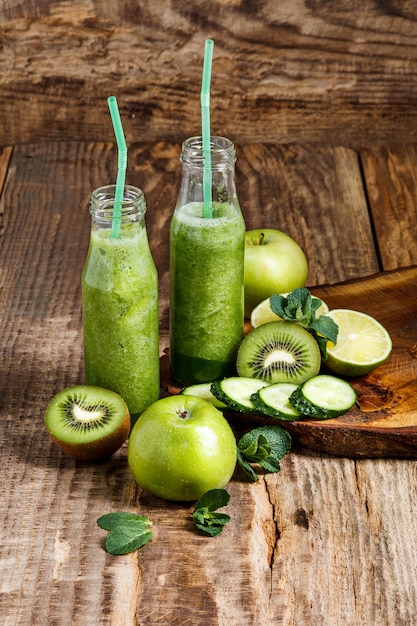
[262, 313]
[363, 344]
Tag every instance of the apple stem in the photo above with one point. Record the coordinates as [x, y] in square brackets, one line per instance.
[261, 239]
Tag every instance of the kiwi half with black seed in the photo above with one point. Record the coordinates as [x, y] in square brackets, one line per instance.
[279, 352]
[88, 423]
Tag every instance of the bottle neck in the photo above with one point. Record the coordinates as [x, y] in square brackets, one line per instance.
[103, 207]
[222, 153]
[222, 156]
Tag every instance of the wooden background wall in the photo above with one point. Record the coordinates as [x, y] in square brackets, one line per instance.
[283, 70]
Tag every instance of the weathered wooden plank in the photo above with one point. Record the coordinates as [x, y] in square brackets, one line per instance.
[310, 191]
[342, 557]
[391, 183]
[5, 155]
[301, 542]
[286, 72]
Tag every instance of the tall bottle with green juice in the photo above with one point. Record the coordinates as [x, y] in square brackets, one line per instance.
[206, 267]
[120, 302]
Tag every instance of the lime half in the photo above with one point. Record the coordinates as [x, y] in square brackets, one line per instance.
[262, 313]
[363, 344]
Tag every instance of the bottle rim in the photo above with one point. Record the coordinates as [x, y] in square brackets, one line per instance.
[222, 151]
[102, 202]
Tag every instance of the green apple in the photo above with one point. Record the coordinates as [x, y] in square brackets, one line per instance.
[274, 263]
[181, 447]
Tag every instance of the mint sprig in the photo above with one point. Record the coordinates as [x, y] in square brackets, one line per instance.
[266, 446]
[205, 514]
[127, 531]
[301, 307]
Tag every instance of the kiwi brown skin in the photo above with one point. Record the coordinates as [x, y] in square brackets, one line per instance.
[260, 344]
[99, 449]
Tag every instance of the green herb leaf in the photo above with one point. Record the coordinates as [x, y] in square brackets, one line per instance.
[256, 448]
[213, 499]
[111, 520]
[326, 327]
[128, 531]
[246, 467]
[205, 516]
[127, 537]
[266, 446]
[301, 307]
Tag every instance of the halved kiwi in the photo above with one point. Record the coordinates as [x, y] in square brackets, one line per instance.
[279, 352]
[88, 423]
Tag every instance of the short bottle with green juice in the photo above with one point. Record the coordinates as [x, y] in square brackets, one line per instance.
[120, 301]
[206, 267]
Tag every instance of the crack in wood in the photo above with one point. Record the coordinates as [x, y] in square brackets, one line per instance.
[277, 534]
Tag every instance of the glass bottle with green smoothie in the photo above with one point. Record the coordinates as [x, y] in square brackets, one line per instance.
[120, 302]
[206, 267]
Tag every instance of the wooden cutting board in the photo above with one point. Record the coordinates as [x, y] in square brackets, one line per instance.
[383, 423]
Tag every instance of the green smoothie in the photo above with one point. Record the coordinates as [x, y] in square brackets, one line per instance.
[206, 300]
[120, 316]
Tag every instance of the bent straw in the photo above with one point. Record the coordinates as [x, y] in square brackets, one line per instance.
[205, 123]
[121, 165]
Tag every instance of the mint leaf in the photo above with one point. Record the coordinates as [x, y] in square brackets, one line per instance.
[205, 516]
[301, 307]
[256, 447]
[213, 499]
[127, 537]
[325, 326]
[297, 306]
[128, 531]
[111, 520]
[246, 467]
[266, 446]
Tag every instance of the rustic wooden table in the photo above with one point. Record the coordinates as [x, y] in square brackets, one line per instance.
[327, 540]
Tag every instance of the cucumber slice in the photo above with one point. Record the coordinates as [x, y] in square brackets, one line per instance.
[273, 401]
[236, 392]
[202, 390]
[323, 397]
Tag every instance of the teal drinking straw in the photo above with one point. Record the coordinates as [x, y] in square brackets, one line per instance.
[205, 123]
[121, 165]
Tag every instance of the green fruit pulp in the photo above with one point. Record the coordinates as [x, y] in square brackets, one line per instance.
[84, 414]
[279, 352]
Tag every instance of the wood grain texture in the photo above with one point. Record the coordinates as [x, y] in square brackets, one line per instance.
[391, 177]
[286, 72]
[326, 541]
[5, 155]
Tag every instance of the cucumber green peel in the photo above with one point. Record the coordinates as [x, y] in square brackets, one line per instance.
[273, 401]
[236, 392]
[323, 397]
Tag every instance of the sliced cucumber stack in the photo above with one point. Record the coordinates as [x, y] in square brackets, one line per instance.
[273, 401]
[236, 392]
[323, 397]
[202, 390]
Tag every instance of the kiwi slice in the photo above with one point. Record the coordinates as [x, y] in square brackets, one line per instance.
[88, 423]
[279, 352]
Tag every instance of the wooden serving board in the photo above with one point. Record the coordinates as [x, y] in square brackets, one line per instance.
[383, 423]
